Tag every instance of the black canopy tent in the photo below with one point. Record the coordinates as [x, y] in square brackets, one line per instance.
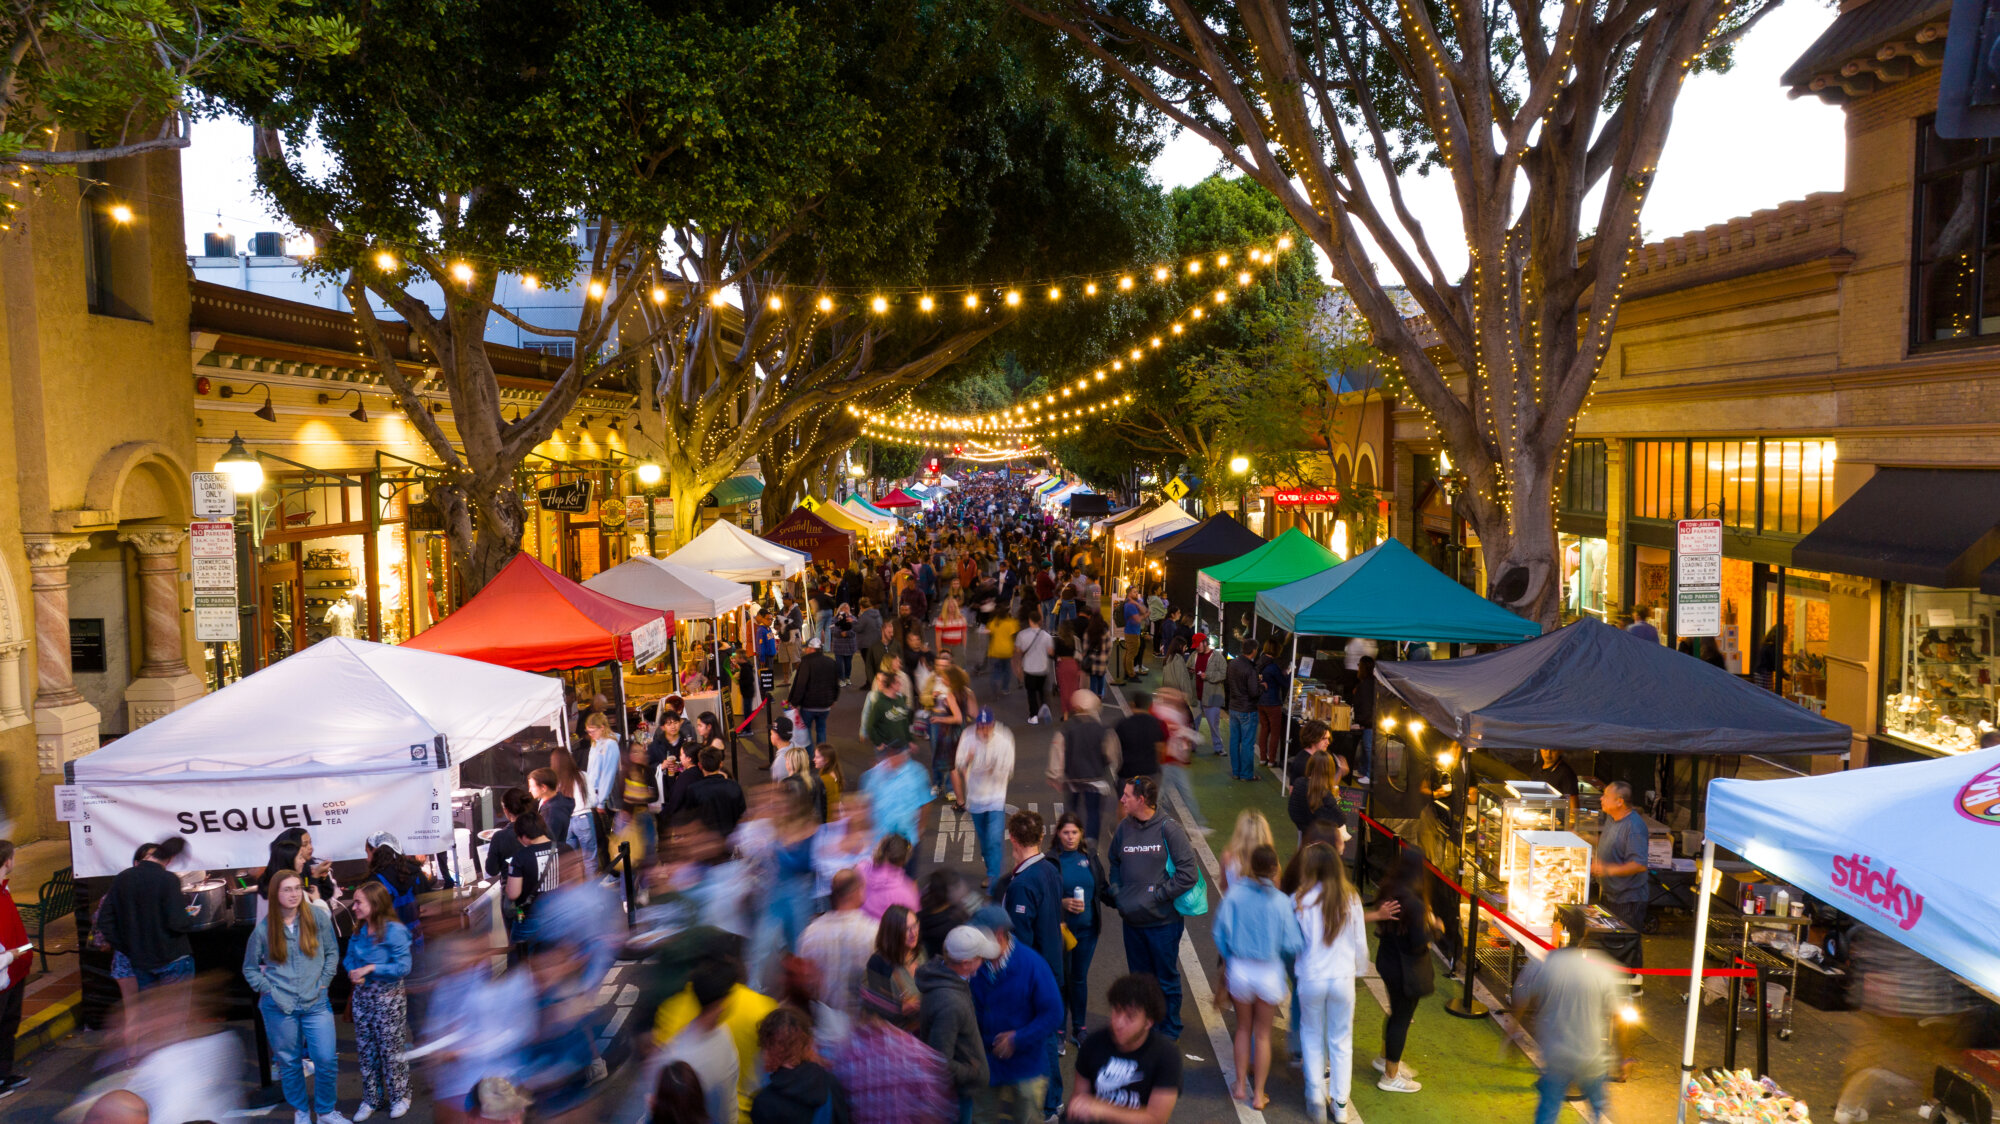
[1183, 554]
[1593, 687]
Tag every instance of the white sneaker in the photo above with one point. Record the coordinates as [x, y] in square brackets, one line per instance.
[302, 1118]
[333, 1117]
[1407, 1070]
[1340, 1112]
[364, 1112]
[1397, 1084]
[1849, 1115]
[1034, 720]
[398, 1110]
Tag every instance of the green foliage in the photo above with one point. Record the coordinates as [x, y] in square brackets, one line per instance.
[891, 461]
[117, 74]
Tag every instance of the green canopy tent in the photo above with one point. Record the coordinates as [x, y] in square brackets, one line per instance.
[1386, 593]
[1282, 561]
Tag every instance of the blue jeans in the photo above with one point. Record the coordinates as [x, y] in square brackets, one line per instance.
[583, 837]
[296, 1036]
[815, 723]
[174, 971]
[1243, 744]
[1088, 804]
[1214, 715]
[1365, 763]
[1048, 610]
[823, 627]
[990, 827]
[1155, 950]
[1097, 684]
[1551, 1087]
[1052, 1097]
[1076, 976]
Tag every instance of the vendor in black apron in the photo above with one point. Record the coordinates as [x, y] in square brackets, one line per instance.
[1620, 865]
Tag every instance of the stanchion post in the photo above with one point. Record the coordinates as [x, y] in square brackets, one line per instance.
[1465, 1006]
[1763, 1026]
[1729, 1028]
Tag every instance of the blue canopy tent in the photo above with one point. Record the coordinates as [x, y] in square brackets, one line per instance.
[1386, 593]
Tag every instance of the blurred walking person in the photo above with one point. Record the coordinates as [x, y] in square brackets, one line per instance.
[1332, 926]
[1570, 997]
[1255, 933]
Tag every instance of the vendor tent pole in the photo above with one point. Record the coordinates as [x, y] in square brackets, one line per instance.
[1291, 696]
[624, 712]
[1694, 974]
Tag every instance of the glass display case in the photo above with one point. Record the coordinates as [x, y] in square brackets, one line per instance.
[1940, 668]
[1553, 871]
[1504, 810]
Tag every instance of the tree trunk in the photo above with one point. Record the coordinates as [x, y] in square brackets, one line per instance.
[1518, 543]
[684, 483]
[480, 548]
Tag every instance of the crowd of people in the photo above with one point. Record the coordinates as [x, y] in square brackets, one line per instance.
[793, 965]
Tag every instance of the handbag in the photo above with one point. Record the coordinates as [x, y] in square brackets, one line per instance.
[1194, 901]
[920, 725]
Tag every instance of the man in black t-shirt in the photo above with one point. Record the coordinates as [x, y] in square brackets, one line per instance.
[1127, 1067]
[1141, 740]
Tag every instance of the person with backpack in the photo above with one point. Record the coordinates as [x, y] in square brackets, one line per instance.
[402, 876]
[1034, 651]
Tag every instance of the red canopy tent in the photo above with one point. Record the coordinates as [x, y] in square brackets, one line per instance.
[899, 498]
[802, 530]
[531, 618]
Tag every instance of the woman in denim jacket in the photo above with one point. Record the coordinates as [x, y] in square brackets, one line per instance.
[292, 957]
[378, 961]
[1255, 932]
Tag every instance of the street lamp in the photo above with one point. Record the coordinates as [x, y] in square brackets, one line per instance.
[245, 472]
[649, 474]
[1239, 465]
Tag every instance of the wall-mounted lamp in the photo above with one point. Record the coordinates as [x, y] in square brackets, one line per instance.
[265, 411]
[358, 413]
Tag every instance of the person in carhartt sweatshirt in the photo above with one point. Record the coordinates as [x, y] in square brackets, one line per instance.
[1144, 892]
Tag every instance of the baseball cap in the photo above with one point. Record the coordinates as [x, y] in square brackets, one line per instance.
[781, 726]
[812, 643]
[993, 918]
[969, 943]
[985, 717]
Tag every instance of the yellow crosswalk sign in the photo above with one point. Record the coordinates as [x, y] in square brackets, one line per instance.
[1175, 489]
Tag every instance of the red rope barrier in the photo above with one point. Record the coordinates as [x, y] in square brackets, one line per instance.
[1501, 916]
[745, 724]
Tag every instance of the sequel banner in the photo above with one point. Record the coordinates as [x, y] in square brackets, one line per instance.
[231, 824]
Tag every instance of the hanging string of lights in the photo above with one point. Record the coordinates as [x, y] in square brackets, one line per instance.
[1066, 402]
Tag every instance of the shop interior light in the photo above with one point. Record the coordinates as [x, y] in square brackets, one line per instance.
[1388, 723]
[649, 474]
[245, 472]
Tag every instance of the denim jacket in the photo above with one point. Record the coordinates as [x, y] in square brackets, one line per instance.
[1256, 922]
[390, 955]
[298, 984]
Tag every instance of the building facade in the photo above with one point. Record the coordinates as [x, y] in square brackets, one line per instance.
[94, 489]
[1824, 378]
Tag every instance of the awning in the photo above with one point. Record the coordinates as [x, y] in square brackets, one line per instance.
[1388, 593]
[532, 618]
[735, 490]
[1925, 526]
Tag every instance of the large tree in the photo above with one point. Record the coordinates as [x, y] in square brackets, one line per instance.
[1548, 119]
[83, 81]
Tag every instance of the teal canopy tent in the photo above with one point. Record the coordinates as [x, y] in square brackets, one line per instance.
[1388, 593]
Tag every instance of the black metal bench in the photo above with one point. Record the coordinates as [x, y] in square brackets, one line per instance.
[55, 900]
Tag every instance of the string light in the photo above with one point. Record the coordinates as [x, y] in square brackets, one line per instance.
[926, 303]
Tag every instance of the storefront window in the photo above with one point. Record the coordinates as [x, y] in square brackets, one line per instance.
[1584, 576]
[1781, 487]
[1723, 481]
[1584, 478]
[1656, 479]
[336, 601]
[1938, 669]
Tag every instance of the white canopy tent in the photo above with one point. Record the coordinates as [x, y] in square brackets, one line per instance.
[1161, 521]
[1904, 848]
[345, 739]
[659, 584]
[859, 510]
[946, 482]
[1055, 498]
[728, 551]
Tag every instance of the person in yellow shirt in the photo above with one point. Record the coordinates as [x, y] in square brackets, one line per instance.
[743, 1010]
[1000, 651]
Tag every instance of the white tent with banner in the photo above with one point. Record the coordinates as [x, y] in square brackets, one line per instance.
[345, 739]
[1905, 849]
[728, 551]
